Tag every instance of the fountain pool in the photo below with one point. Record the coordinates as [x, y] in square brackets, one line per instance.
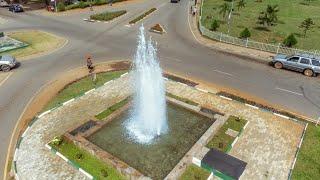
[158, 158]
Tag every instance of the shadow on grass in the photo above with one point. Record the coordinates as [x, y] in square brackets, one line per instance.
[261, 28]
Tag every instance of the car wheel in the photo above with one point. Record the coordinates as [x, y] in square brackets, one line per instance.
[278, 65]
[5, 68]
[308, 72]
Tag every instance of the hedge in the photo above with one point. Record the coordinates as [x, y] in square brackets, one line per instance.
[142, 16]
[107, 16]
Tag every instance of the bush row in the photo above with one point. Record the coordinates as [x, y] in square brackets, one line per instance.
[142, 16]
[83, 4]
[107, 16]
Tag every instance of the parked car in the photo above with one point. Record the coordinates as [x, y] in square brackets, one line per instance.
[174, 1]
[308, 65]
[16, 8]
[4, 3]
[7, 62]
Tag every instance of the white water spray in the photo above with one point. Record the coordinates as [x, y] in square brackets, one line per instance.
[148, 119]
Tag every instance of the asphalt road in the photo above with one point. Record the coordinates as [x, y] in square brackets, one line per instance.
[178, 51]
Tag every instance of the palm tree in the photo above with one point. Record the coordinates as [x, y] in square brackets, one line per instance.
[241, 4]
[224, 9]
[269, 17]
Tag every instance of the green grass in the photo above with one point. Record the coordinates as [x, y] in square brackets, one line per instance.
[185, 100]
[38, 41]
[108, 16]
[88, 162]
[291, 14]
[308, 162]
[194, 172]
[222, 137]
[81, 86]
[111, 109]
[142, 16]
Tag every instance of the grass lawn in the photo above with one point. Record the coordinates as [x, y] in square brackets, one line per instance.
[185, 100]
[308, 162]
[111, 109]
[81, 86]
[222, 137]
[107, 16]
[142, 16]
[89, 163]
[291, 14]
[39, 42]
[194, 172]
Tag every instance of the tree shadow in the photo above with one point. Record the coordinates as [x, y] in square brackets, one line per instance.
[299, 35]
[262, 28]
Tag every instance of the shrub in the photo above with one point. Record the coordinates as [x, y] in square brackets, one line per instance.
[104, 173]
[61, 6]
[290, 41]
[79, 156]
[107, 16]
[72, 6]
[215, 25]
[99, 2]
[57, 141]
[245, 33]
[83, 4]
[1, 34]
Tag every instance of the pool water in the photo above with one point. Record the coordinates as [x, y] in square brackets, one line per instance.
[158, 158]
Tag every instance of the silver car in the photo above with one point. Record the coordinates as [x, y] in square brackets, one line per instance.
[309, 66]
[7, 62]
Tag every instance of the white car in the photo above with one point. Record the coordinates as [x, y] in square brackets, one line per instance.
[7, 62]
[4, 3]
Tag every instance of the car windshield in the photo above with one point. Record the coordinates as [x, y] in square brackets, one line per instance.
[315, 63]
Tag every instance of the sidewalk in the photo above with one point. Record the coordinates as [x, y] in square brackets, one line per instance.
[252, 54]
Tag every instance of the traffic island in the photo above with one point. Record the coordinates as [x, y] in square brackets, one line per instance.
[157, 29]
[33, 43]
[267, 135]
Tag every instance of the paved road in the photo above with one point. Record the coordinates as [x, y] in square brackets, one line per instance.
[178, 51]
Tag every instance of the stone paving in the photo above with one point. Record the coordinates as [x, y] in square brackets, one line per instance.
[35, 161]
[268, 144]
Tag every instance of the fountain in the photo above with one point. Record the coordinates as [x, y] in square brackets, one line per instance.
[151, 134]
[148, 119]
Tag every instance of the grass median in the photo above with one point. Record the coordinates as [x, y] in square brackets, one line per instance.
[112, 108]
[108, 16]
[308, 162]
[221, 140]
[81, 86]
[39, 42]
[142, 16]
[194, 172]
[97, 168]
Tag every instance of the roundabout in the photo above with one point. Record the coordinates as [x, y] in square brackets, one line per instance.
[39, 102]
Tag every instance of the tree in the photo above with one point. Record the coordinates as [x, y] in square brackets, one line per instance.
[245, 33]
[306, 25]
[269, 17]
[290, 41]
[224, 9]
[215, 25]
[241, 4]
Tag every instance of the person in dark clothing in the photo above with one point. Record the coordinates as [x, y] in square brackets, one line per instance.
[89, 63]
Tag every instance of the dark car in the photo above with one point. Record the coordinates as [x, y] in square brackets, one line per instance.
[174, 1]
[16, 8]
